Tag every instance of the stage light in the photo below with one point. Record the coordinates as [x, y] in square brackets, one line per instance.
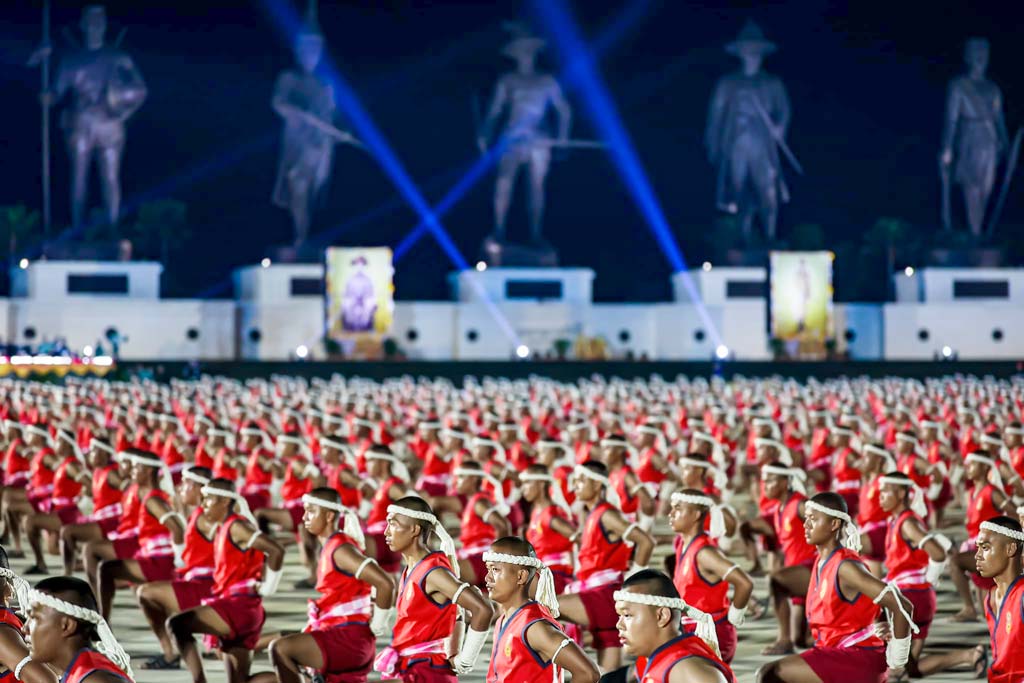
[481, 266]
[947, 352]
[707, 266]
[87, 351]
[722, 352]
[265, 263]
[301, 351]
[23, 263]
[909, 271]
[523, 351]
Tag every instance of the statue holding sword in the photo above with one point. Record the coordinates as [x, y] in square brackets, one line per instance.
[526, 95]
[307, 105]
[746, 134]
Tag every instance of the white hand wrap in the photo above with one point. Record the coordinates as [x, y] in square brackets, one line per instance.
[897, 652]
[179, 552]
[935, 571]
[471, 646]
[382, 621]
[271, 578]
[737, 615]
[934, 490]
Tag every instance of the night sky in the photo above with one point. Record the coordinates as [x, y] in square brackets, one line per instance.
[866, 80]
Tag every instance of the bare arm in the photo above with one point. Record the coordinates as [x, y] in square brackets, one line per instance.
[645, 502]
[714, 565]
[562, 108]
[443, 583]
[13, 649]
[491, 516]
[545, 640]
[854, 578]
[160, 509]
[949, 126]
[349, 559]
[242, 534]
[498, 102]
[914, 531]
[617, 525]
[562, 527]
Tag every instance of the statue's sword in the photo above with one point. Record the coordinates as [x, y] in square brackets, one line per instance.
[777, 136]
[1011, 166]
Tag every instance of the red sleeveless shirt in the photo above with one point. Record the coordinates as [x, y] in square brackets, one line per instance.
[40, 476]
[836, 621]
[474, 532]
[106, 499]
[646, 471]
[350, 497]
[87, 662]
[129, 525]
[790, 530]
[657, 667]
[979, 509]
[597, 553]
[65, 489]
[344, 599]
[693, 588]
[420, 620]
[378, 517]
[552, 548]
[906, 564]
[1005, 628]
[907, 465]
[15, 464]
[154, 538]
[198, 554]
[627, 501]
[257, 479]
[512, 658]
[236, 571]
[293, 488]
[222, 468]
[870, 509]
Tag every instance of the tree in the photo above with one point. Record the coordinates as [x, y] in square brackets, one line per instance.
[19, 228]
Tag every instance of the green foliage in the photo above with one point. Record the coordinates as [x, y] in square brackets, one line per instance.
[390, 348]
[160, 228]
[807, 237]
[726, 235]
[888, 232]
[562, 347]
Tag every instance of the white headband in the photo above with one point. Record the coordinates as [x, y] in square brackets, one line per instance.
[917, 504]
[851, 534]
[499, 493]
[102, 445]
[797, 477]
[610, 493]
[554, 489]
[241, 505]
[108, 645]
[192, 476]
[546, 594]
[447, 544]
[717, 529]
[351, 527]
[993, 468]
[1005, 531]
[705, 623]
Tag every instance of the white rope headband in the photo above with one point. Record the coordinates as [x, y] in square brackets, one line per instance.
[705, 623]
[447, 544]
[720, 476]
[20, 585]
[844, 431]
[499, 492]
[1015, 431]
[351, 526]
[398, 467]
[993, 468]
[797, 477]
[197, 478]
[546, 594]
[1005, 531]
[554, 489]
[102, 445]
[917, 504]
[108, 644]
[851, 534]
[499, 450]
[610, 493]
[717, 529]
[241, 505]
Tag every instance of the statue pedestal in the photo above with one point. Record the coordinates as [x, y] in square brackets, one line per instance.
[304, 253]
[503, 285]
[111, 250]
[971, 257]
[510, 255]
[68, 280]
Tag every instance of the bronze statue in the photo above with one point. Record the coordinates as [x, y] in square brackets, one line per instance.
[306, 103]
[106, 90]
[746, 131]
[526, 94]
[973, 137]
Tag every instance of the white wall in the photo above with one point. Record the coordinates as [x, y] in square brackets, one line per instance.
[866, 323]
[283, 327]
[964, 327]
[434, 324]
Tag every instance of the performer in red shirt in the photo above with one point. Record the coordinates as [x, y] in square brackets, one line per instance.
[649, 610]
[846, 647]
[339, 639]
[635, 497]
[484, 518]
[703, 574]
[550, 529]
[89, 651]
[429, 593]
[871, 518]
[528, 642]
[235, 613]
[193, 576]
[14, 653]
[916, 560]
[161, 532]
[35, 493]
[608, 544]
[69, 475]
[999, 558]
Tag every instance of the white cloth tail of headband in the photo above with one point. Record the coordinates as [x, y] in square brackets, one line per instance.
[241, 505]
[546, 594]
[851, 533]
[447, 543]
[350, 520]
[705, 628]
[20, 585]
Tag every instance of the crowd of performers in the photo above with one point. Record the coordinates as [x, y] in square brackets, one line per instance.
[190, 494]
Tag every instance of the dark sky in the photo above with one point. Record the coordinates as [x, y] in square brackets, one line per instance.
[866, 80]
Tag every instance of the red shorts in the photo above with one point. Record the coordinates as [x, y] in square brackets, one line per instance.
[600, 606]
[191, 594]
[726, 638]
[244, 616]
[923, 600]
[68, 514]
[107, 525]
[476, 562]
[348, 652]
[388, 559]
[125, 548]
[258, 500]
[296, 511]
[877, 538]
[562, 579]
[432, 488]
[40, 502]
[157, 567]
[428, 673]
[847, 664]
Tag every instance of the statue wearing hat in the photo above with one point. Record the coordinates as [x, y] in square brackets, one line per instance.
[746, 131]
[106, 89]
[973, 137]
[526, 95]
[306, 103]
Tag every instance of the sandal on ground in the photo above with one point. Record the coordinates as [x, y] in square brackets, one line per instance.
[161, 662]
[776, 649]
[981, 663]
[36, 569]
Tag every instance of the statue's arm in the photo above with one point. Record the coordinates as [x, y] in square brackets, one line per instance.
[498, 101]
[716, 111]
[279, 102]
[952, 114]
[134, 82]
[997, 107]
[561, 105]
[781, 111]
